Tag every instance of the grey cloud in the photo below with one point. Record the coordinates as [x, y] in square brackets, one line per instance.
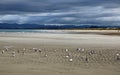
[51, 5]
[60, 11]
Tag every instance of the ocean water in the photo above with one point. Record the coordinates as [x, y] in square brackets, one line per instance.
[30, 31]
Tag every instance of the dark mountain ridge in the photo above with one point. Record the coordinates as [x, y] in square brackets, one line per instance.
[42, 26]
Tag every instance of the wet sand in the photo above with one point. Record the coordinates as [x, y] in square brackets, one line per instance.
[102, 62]
[101, 32]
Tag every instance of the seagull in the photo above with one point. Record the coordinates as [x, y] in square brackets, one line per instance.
[71, 60]
[66, 50]
[3, 51]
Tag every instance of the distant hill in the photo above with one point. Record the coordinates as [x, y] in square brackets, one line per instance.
[37, 26]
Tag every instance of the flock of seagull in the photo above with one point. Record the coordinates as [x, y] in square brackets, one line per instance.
[67, 53]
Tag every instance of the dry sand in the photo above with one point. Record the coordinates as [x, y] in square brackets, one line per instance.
[102, 62]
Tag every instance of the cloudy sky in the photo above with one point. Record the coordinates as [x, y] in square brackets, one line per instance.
[97, 12]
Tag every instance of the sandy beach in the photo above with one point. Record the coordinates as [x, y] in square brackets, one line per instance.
[45, 53]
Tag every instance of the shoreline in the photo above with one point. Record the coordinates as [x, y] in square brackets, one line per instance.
[66, 31]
